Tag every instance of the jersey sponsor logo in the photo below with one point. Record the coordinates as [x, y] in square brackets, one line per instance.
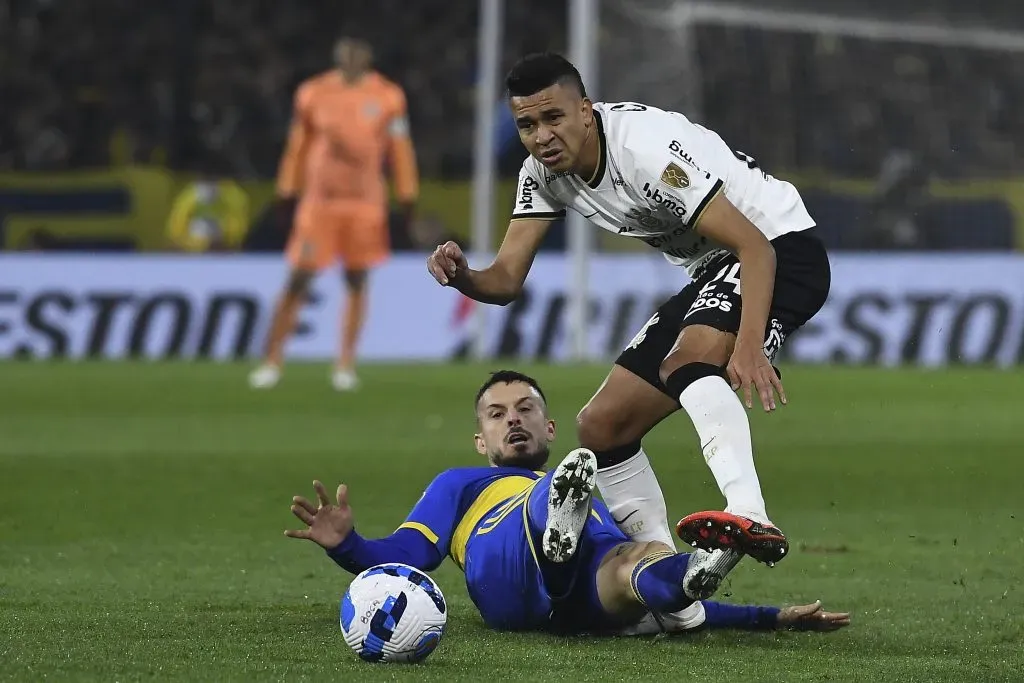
[526, 191]
[628, 106]
[668, 202]
[548, 179]
[711, 296]
[645, 218]
[674, 176]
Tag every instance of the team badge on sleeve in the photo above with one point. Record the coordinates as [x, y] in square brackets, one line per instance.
[676, 177]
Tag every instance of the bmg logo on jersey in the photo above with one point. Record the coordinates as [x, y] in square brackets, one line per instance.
[670, 203]
[526, 192]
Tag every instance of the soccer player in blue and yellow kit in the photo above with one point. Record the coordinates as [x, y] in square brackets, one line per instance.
[538, 552]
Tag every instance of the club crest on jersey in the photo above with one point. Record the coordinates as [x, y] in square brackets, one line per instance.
[676, 177]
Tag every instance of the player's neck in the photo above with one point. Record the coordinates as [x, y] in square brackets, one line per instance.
[590, 156]
[352, 77]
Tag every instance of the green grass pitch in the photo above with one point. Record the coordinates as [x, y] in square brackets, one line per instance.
[143, 506]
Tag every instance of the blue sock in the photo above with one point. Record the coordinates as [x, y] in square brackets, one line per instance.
[658, 581]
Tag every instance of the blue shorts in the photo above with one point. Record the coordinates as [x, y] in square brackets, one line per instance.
[516, 589]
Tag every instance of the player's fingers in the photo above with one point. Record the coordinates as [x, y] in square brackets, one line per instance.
[302, 514]
[297, 533]
[734, 378]
[299, 500]
[777, 384]
[765, 390]
[748, 384]
[321, 493]
[342, 495]
[437, 271]
[452, 251]
[446, 264]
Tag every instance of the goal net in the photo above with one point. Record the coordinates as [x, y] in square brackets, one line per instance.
[830, 92]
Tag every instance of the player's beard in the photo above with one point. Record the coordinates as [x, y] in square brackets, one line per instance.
[534, 459]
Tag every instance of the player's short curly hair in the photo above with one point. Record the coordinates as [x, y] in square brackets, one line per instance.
[540, 70]
[507, 377]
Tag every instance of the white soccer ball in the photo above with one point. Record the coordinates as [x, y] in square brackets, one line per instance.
[393, 613]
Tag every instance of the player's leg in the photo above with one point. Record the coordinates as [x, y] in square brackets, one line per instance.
[633, 579]
[363, 246]
[310, 249]
[692, 370]
[628, 404]
[354, 316]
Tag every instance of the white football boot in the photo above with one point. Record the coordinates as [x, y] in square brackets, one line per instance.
[344, 380]
[706, 570]
[265, 376]
[570, 496]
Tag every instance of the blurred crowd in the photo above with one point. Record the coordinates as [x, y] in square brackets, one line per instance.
[207, 85]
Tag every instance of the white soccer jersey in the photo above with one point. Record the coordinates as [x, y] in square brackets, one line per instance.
[657, 173]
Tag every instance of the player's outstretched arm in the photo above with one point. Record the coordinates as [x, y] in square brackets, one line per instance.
[722, 222]
[502, 281]
[331, 526]
[797, 618]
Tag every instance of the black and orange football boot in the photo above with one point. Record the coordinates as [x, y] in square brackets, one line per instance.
[715, 529]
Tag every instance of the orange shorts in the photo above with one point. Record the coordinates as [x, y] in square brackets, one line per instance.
[324, 233]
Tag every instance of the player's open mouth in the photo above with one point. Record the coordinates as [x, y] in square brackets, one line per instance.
[551, 156]
[516, 438]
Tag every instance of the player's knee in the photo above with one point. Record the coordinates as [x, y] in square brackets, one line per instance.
[298, 282]
[697, 344]
[597, 428]
[677, 378]
[635, 554]
[355, 281]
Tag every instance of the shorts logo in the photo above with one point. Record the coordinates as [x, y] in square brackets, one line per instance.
[774, 340]
[642, 334]
[676, 177]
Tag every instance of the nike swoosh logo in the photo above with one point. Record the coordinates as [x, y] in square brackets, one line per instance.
[704, 446]
[623, 520]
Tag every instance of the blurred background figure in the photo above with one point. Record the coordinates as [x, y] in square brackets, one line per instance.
[211, 213]
[347, 122]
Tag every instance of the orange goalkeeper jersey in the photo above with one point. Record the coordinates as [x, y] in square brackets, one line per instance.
[341, 137]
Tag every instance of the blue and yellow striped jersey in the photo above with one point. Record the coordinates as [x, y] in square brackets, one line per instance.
[458, 502]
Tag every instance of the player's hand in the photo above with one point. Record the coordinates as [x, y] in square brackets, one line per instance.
[329, 524]
[811, 618]
[447, 262]
[749, 367]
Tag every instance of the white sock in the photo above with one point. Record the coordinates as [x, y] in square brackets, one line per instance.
[634, 497]
[721, 422]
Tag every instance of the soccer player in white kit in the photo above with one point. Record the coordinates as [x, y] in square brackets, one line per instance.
[758, 272]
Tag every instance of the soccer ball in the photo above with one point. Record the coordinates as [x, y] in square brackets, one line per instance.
[393, 613]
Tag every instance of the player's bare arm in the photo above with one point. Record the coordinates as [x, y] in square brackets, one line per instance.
[748, 366]
[501, 282]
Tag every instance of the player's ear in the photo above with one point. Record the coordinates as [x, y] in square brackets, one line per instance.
[550, 430]
[481, 447]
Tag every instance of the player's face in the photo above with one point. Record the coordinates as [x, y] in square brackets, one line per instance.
[553, 125]
[352, 56]
[514, 427]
